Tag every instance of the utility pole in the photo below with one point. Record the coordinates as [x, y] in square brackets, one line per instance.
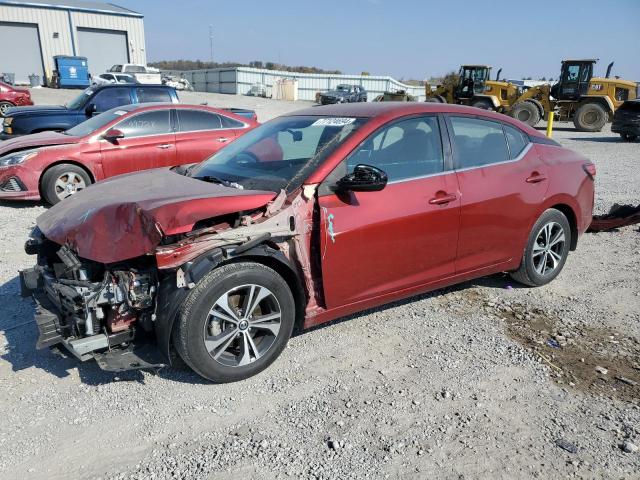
[211, 41]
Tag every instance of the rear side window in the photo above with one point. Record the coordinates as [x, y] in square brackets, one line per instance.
[516, 141]
[404, 150]
[230, 122]
[151, 95]
[478, 142]
[196, 120]
[155, 122]
[110, 98]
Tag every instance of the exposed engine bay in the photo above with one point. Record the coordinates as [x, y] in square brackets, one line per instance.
[87, 306]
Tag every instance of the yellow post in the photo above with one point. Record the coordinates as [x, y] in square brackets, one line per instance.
[550, 124]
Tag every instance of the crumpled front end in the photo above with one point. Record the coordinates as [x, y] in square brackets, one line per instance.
[94, 310]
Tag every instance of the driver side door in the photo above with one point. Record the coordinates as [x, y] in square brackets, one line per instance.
[378, 243]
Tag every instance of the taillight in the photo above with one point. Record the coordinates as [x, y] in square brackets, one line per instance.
[590, 170]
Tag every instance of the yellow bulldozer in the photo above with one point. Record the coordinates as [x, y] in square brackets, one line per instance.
[579, 96]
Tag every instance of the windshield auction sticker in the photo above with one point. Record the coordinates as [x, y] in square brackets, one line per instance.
[333, 122]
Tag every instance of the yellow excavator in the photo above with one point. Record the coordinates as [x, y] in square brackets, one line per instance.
[579, 96]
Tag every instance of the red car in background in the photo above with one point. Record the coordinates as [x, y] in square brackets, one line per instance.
[130, 138]
[11, 96]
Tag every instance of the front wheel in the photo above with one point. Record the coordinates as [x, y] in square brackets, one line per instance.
[62, 181]
[236, 322]
[546, 251]
[482, 103]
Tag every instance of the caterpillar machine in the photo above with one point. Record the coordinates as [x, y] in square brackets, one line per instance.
[579, 96]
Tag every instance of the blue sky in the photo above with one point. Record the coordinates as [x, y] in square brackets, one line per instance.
[411, 39]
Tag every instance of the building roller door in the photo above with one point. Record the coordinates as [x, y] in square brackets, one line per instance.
[103, 48]
[20, 52]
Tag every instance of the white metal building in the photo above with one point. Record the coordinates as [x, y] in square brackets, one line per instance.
[33, 32]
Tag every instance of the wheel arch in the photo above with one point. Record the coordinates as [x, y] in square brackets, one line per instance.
[172, 296]
[60, 162]
[601, 100]
[572, 218]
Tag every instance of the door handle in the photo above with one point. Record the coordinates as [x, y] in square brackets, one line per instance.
[223, 140]
[443, 198]
[535, 178]
[165, 146]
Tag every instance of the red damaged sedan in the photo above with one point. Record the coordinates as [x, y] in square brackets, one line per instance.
[130, 138]
[312, 216]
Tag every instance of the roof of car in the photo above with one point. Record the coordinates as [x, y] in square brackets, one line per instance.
[116, 85]
[398, 109]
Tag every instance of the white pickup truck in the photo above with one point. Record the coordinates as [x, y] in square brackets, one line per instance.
[141, 73]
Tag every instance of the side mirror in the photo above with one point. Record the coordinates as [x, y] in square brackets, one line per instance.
[112, 135]
[90, 110]
[365, 178]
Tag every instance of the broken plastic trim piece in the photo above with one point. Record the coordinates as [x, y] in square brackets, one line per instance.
[618, 216]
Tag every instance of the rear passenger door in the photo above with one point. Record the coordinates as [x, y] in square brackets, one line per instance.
[502, 182]
[201, 133]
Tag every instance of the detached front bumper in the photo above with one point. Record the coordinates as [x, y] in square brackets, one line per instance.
[105, 348]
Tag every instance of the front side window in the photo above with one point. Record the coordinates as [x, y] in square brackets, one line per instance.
[97, 122]
[478, 142]
[152, 95]
[406, 149]
[110, 98]
[516, 141]
[196, 120]
[156, 122]
[279, 154]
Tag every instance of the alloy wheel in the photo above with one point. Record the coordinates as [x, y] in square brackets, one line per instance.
[69, 183]
[242, 325]
[548, 248]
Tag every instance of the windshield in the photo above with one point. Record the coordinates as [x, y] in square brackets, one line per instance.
[280, 154]
[96, 123]
[343, 88]
[80, 100]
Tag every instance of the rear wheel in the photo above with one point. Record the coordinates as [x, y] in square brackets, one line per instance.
[62, 181]
[546, 251]
[4, 106]
[236, 322]
[526, 112]
[482, 103]
[590, 117]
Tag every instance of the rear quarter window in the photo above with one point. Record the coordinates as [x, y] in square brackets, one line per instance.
[516, 140]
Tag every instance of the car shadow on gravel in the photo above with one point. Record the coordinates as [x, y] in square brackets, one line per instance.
[500, 281]
[19, 204]
[19, 348]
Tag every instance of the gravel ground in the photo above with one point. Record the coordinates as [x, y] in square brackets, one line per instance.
[485, 380]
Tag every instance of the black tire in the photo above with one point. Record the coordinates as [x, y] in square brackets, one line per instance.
[436, 99]
[590, 117]
[526, 112]
[483, 103]
[627, 137]
[4, 106]
[51, 192]
[194, 320]
[532, 267]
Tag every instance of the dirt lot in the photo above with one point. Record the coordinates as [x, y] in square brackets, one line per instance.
[485, 380]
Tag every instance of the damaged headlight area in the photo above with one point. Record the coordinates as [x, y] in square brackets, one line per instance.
[94, 310]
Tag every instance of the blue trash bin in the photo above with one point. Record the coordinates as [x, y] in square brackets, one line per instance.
[73, 72]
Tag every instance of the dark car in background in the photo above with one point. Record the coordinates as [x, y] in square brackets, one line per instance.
[11, 96]
[344, 93]
[626, 121]
[91, 102]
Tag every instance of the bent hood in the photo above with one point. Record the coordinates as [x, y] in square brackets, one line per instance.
[127, 216]
[42, 139]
